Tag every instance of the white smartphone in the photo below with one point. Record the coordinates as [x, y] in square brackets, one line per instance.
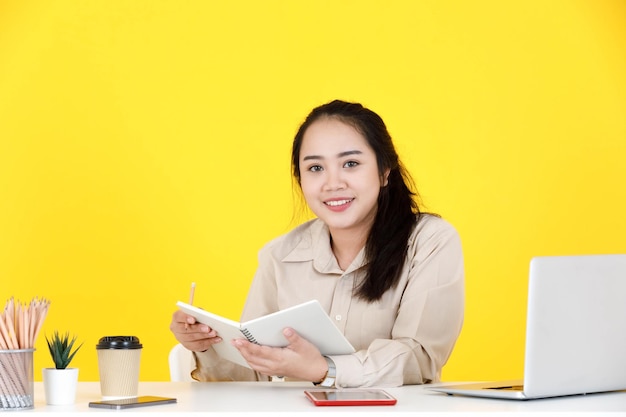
[142, 401]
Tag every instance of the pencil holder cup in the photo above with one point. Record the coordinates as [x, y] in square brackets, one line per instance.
[118, 366]
[16, 379]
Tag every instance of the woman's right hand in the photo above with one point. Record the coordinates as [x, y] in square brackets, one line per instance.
[194, 336]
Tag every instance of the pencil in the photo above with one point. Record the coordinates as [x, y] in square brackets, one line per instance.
[191, 293]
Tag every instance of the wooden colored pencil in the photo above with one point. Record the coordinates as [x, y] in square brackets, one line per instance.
[19, 327]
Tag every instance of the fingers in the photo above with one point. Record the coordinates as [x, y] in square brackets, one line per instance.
[191, 334]
[200, 345]
[291, 336]
[299, 359]
[181, 322]
[263, 359]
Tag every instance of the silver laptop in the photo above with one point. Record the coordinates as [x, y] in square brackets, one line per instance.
[575, 331]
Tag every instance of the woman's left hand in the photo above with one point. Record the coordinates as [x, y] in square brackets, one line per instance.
[300, 359]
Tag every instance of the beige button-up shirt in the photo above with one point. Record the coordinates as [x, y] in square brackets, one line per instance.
[404, 338]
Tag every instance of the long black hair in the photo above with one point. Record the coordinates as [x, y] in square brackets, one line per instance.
[398, 208]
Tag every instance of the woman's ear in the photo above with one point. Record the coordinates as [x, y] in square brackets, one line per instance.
[385, 178]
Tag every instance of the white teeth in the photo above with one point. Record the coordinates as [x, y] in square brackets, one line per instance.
[337, 202]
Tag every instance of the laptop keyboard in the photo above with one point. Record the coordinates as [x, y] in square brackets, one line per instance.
[509, 388]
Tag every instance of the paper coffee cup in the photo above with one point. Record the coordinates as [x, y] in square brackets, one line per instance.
[118, 366]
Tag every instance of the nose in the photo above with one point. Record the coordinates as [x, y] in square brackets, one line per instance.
[334, 180]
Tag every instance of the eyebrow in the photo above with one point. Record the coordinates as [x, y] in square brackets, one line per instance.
[339, 155]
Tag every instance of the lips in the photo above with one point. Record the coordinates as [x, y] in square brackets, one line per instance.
[338, 203]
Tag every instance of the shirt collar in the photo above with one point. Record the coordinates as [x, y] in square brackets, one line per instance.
[315, 247]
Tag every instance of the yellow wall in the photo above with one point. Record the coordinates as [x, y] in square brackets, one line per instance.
[145, 144]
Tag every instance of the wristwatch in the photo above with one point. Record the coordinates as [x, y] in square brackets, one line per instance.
[331, 374]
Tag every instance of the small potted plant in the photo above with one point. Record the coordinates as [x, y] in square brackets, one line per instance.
[60, 382]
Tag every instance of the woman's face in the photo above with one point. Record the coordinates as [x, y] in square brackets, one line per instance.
[339, 176]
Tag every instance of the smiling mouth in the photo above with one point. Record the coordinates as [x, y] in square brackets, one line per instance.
[336, 203]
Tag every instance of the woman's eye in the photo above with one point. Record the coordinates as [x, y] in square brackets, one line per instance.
[351, 164]
[315, 168]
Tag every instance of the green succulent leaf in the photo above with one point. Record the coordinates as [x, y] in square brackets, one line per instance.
[60, 347]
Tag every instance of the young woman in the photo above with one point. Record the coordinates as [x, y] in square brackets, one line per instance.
[390, 276]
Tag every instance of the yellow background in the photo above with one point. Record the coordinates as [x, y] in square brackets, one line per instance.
[145, 144]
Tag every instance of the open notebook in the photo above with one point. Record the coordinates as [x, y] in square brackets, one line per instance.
[575, 331]
[308, 319]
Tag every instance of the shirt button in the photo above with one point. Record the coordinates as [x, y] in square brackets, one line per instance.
[338, 317]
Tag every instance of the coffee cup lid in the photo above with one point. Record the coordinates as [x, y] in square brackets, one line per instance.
[119, 342]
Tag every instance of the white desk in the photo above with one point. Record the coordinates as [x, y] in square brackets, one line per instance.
[287, 399]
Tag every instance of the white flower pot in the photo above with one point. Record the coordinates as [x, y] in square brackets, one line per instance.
[60, 385]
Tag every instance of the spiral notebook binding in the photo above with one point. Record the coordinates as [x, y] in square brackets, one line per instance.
[249, 336]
